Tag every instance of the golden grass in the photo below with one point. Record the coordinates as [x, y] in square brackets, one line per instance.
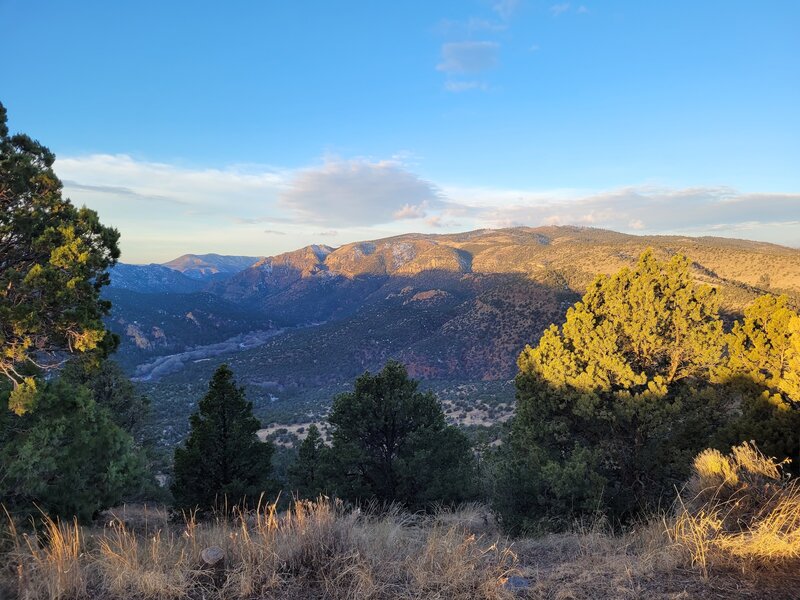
[313, 550]
[737, 519]
[740, 512]
[53, 560]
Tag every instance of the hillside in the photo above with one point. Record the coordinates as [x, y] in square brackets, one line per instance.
[567, 255]
[152, 279]
[457, 309]
[462, 306]
[155, 324]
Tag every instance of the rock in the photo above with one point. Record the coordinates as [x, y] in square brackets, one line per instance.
[516, 583]
[212, 556]
[212, 566]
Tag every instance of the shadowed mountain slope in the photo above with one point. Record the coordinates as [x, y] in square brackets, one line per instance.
[457, 306]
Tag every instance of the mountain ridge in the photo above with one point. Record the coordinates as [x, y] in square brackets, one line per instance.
[205, 266]
[515, 250]
[456, 309]
[482, 279]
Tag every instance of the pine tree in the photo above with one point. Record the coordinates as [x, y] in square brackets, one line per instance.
[113, 390]
[307, 475]
[67, 457]
[613, 405]
[391, 443]
[222, 459]
[53, 262]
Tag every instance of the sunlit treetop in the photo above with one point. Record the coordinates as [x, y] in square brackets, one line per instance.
[53, 263]
[643, 327]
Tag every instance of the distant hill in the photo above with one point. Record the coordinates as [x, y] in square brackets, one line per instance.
[185, 274]
[209, 266]
[557, 257]
[152, 279]
[461, 306]
[455, 308]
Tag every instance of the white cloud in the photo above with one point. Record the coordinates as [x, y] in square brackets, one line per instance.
[565, 7]
[434, 221]
[165, 210]
[120, 174]
[468, 57]
[356, 192]
[410, 211]
[645, 209]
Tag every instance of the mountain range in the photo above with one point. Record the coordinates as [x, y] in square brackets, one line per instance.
[456, 307]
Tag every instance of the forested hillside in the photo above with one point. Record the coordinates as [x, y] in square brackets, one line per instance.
[455, 309]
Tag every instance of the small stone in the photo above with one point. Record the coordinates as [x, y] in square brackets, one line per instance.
[212, 555]
[517, 583]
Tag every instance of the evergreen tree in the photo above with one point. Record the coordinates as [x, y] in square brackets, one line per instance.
[112, 390]
[613, 405]
[53, 262]
[391, 442]
[222, 457]
[762, 372]
[308, 473]
[67, 457]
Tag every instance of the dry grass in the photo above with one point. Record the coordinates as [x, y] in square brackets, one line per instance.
[313, 550]
[738, 519]
[739, 512]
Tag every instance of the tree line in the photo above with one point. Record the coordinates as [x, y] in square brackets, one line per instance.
[612, 405]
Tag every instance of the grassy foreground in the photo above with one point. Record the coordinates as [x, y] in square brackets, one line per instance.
[735, 534]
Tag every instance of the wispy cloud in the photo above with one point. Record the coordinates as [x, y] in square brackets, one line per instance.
[165, 210]
[465, 86]
[122, 175]
[505, 8]
[637, 209]
[565, 7]
[468, 57]
[411, 211]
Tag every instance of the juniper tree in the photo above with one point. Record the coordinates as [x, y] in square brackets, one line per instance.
[762, 373]
[222, 459]
[113, 390]
[67, 457]
[613, 405]
[391, 443]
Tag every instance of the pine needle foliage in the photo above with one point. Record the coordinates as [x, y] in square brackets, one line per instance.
[53, 262]
[222, 460]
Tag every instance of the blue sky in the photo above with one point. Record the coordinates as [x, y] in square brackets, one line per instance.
[257, 127]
